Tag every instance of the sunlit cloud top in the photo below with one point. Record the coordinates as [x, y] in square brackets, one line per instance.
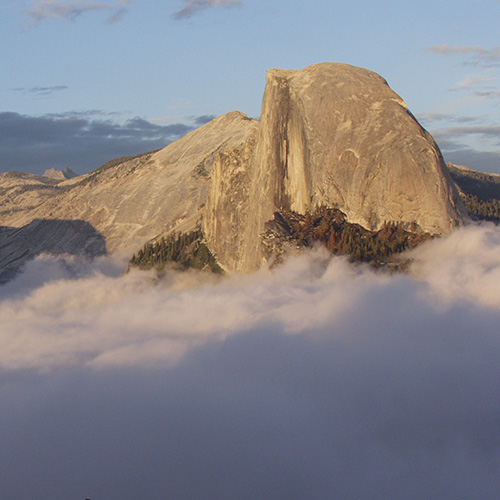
[140, 320]
[294, 383]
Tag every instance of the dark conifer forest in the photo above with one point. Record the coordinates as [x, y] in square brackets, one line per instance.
[181, 250]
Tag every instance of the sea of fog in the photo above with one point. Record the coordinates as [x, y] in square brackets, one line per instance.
[318, 380]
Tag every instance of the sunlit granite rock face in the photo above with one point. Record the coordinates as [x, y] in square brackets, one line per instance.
[335, 135]
[135, 200]
[330, 134]
[60, 175]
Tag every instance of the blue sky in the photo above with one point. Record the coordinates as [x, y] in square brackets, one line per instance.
[83, 82]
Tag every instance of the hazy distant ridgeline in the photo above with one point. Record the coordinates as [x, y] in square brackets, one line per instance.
[480, 192]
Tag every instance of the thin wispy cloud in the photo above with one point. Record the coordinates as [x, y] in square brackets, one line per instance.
[488, 93]
[474, 146]
[474, 55]
[41, 91]
[91, 113]
[478, 55]
[456, 49]
[474, 80]
[192, 7]
[117, 16]
[475, 85]
[447, 117]
[485, 131]
[70, 11]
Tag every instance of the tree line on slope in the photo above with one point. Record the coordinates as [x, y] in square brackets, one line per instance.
[182, 250]
[330, 227]
[487, 210]
[326, 226]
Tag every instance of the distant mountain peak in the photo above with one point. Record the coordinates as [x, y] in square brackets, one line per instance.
[61, 175]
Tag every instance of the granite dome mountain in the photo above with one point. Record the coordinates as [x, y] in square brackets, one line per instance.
[330, 135]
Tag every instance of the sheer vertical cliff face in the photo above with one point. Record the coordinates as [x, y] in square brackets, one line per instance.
[330, 134]
[334, 135]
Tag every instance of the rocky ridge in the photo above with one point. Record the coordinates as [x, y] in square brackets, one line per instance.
[60, 175]
[330, 135]
[140, 197]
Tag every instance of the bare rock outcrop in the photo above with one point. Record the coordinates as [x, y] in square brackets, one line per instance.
[131, 201]
[329, 135]
[60, 175]
[334, 135]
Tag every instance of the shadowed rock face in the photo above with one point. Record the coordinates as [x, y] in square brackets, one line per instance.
[56, 237]
[334, 135]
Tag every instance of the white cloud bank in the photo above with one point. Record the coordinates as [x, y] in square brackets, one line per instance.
[319, 380]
